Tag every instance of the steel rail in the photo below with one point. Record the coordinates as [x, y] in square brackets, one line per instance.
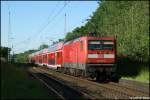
[48, 86]
[116, 88]
[56, 79]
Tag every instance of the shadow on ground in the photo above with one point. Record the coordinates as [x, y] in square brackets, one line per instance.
[23, 65]
[130, 68]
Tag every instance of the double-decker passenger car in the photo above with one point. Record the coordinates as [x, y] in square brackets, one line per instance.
[55, 55]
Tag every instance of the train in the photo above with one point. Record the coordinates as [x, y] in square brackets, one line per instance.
[86, 56]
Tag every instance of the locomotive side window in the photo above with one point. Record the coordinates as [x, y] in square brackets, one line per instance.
[100, 45]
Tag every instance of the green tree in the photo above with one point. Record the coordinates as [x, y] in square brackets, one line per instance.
[4, 52]
[43, 46]
[128, 21]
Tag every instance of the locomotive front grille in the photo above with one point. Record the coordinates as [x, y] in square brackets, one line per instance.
[91, 67]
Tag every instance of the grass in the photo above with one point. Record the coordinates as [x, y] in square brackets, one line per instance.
[143, 76]
[15, 84]
[131, 69]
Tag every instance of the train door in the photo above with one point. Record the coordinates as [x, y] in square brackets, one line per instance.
[51, 59]
[58, 58]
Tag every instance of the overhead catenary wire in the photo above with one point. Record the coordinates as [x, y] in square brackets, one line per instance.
[29, 40]
[56, 35]
[40, 31]
[26, 42]
[49, 16]
[53, 26]
[75, 24]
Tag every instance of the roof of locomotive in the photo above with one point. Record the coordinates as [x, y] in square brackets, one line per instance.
[88, 38]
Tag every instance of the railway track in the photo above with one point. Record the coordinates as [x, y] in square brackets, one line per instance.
[38, 76]
[98, 90]
[134, 88]
[61, 90]
[139, 86]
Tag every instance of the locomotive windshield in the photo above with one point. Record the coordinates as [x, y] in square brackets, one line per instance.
[100, 45]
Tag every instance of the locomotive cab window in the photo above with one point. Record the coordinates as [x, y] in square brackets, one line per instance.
[100, 45]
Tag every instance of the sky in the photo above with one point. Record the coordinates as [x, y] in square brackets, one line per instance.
[33, 23]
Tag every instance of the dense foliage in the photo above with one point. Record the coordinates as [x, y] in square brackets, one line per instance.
[128, 21]
[43, 46]
[4, 52]
[23, 57]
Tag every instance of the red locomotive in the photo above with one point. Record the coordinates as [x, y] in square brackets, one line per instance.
[93, 57]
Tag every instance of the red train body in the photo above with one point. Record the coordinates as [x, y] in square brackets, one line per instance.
[90, 56]
[55, 55]
[86, 56]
